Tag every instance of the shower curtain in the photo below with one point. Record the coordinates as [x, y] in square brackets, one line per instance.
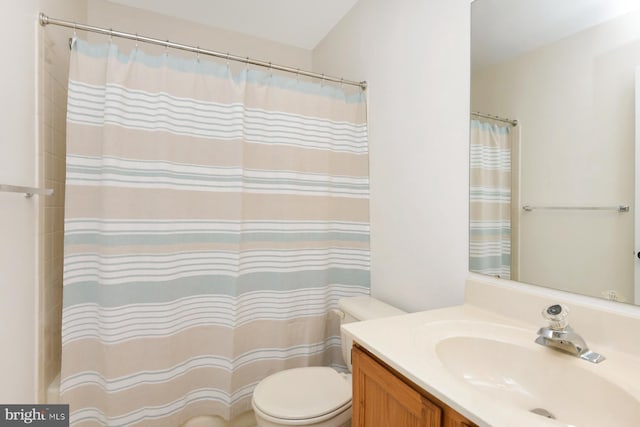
[490, 199]
[211, 223]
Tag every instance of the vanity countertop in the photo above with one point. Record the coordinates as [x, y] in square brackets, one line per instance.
[408, 343]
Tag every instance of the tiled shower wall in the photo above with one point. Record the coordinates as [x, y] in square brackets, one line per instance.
[52, 100]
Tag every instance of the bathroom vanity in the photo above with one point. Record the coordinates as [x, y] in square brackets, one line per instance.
[382, 397]
[479, 364]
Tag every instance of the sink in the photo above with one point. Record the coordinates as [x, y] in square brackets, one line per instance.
[504, 367]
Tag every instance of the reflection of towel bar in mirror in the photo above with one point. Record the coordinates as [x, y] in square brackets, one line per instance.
[619, 208]
[28, 191]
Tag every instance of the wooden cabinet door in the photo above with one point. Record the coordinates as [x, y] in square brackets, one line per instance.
[381, 399]
[453, 419]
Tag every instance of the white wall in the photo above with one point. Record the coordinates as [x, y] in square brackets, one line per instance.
[17, 214]
[415, 56]
[575, 102]
[19, 220]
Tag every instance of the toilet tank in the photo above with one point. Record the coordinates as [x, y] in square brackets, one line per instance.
[355, 309]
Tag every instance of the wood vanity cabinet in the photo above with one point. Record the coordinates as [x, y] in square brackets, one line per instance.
[384, 398]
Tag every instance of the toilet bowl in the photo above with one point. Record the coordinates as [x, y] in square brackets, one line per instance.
[316, 396]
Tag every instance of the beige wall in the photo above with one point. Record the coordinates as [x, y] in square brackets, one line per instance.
[111, 15]
[52, 73]
[575, 102]
[415, 56]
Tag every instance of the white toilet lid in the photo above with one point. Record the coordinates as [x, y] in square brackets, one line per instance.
[303, 393]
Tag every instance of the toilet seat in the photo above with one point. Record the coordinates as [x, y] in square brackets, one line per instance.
[303, 394]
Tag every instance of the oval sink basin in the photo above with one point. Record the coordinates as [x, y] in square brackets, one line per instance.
[504, 366]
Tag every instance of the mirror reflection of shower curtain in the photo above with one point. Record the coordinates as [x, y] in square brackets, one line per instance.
[490, 225]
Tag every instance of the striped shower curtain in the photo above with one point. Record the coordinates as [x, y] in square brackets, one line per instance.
[211, 223]
[490, 199]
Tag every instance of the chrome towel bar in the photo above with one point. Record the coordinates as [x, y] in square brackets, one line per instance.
[619, 208]
[28, 191]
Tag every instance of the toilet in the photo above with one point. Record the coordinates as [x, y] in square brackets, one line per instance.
[316, 396]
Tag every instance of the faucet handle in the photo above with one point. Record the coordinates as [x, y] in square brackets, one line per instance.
[557, 316]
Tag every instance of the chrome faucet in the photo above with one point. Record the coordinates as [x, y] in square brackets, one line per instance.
[561, 336]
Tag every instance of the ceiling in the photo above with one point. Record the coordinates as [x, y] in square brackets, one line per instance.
[503, 29]
[300, 23]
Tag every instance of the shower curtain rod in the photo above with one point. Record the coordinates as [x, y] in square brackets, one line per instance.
[46, 20]
[512, 122]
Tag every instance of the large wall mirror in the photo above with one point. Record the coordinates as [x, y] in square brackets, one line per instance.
[553, 134]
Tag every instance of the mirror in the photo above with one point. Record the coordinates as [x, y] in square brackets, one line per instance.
[552, 197]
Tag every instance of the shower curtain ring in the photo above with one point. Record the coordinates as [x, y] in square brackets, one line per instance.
[110, 35]
[198, 53]
[75, 34]
[228, 65]
[137, 39]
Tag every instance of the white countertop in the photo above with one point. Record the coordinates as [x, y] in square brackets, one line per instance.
[406, 343]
